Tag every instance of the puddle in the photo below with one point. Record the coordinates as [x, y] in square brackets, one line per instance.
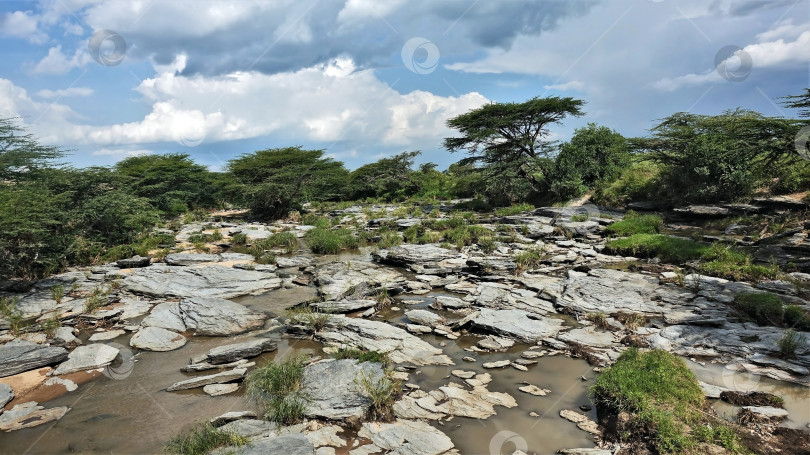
[797, 397]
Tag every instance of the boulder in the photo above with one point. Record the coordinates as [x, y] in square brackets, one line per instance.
[212, 316]
[339, 279]
[516, 324]
[212, 281]
[19, 356]
[157, 339]
[401, 346]
[333, 390]
[407, 437]
[87, 357]
[423, 259]
[166, 316]
[424, 317]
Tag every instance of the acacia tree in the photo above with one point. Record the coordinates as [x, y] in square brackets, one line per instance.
[513, 137]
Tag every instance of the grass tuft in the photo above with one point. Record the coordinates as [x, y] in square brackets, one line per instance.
[635, 223]
[276, 385]
[667, 248]
[331, 241]
[202, 439]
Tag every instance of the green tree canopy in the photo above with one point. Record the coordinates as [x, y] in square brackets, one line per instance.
[22, 157]
[273, 182]
[387, 178]
[513, 137]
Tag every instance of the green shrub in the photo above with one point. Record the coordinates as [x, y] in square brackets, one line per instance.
[51, 325]
[514, 209]
[466, 235]
[636, 182]
[382, 391]
[797, 317]
[331, 241]
[239, 239]
[275, 385]
[286, 240]
[311, 219]
[635, 223]
[580, 217]
[57, 293]
[790, 342]
[760, 307]
[487, 244]
[667, 248]
[202, 439]
[527, 260]
[389, 239]
[659, 392]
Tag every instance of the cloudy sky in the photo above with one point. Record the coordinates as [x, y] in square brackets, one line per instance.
[364, 79]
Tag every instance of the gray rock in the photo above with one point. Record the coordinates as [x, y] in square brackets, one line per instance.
[423, 259]
[213, 281]
[157, 339]
[216, 390]
[211, 316]
[232, 417]
[595, 451]
[87, 357]
[204, 366]
[424, 317]
[237, 351]
[711, 390]
[702, 211]
[344, 306]
[333, 389]
[407, 437]
[298, 262]
[134, 261]
[516, 324]
[401, 346]
[183, 259]
[106, 335]
[19, 356]
[589, 337]
[493, 343]
[249, 428]
[450, 303]
[200, 381]
[28, 415]
[287, 444]
[167, 316]
[6, 394]
[767, 412]
[65, 336]
[236, 257]
[338, 279]
[614, 291]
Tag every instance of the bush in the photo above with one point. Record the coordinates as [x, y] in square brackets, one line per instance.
[760, 307]
[239, 239]
[790, 342]
[383, 393]
[331, 241]
[202, 439]
[635, 223]
[527, 260]
[667, 248]
[361, 355]
[275, 385]
[287, 241]
[636, 182]
[659, 392]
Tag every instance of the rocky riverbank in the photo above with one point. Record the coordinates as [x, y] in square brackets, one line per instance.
[529, 287]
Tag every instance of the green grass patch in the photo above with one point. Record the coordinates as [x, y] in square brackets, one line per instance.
[727, 262]
[667, 248]
[286, 240]
[239, 239]
[362, 355]
[310, 219]
[275, 385]
[635, 223]
[389, 239]
[514, 209]
[202, 439]
[331, 241]
[789, 342]
[466, 235]
[580, 217]
[383, 393]
[659, 392]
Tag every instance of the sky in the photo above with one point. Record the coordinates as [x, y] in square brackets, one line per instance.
[366, 79]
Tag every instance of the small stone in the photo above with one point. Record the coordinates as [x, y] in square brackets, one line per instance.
[468, 359]
[497, 364]
[107, 335]
[463, 374]
[534, 414]
[231, 417]
[519, 367]
[534, 390]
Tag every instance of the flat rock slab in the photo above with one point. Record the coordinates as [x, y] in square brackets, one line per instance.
[613, 291]
[516, 324]
[134, 261]
[28, 415]
[87, 357]
[582, 421]
[212, 316]
[157, 339]
[338, 279]
[534, 390]
[297, 262]
[234, 352]
[106, 335]
[401, 346]
[588, 336]
[20, 356]
[766, 412]
[407, 437]
[333, 388]
[216, 390]
[200, 381]
[213, 281]
[231, 417]
[249, 428]
[190, 258]
[424, 317]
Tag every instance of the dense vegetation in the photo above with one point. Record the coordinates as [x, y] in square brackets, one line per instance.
[53, 215]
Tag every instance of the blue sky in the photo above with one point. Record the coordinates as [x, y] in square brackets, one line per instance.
[365, 79]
